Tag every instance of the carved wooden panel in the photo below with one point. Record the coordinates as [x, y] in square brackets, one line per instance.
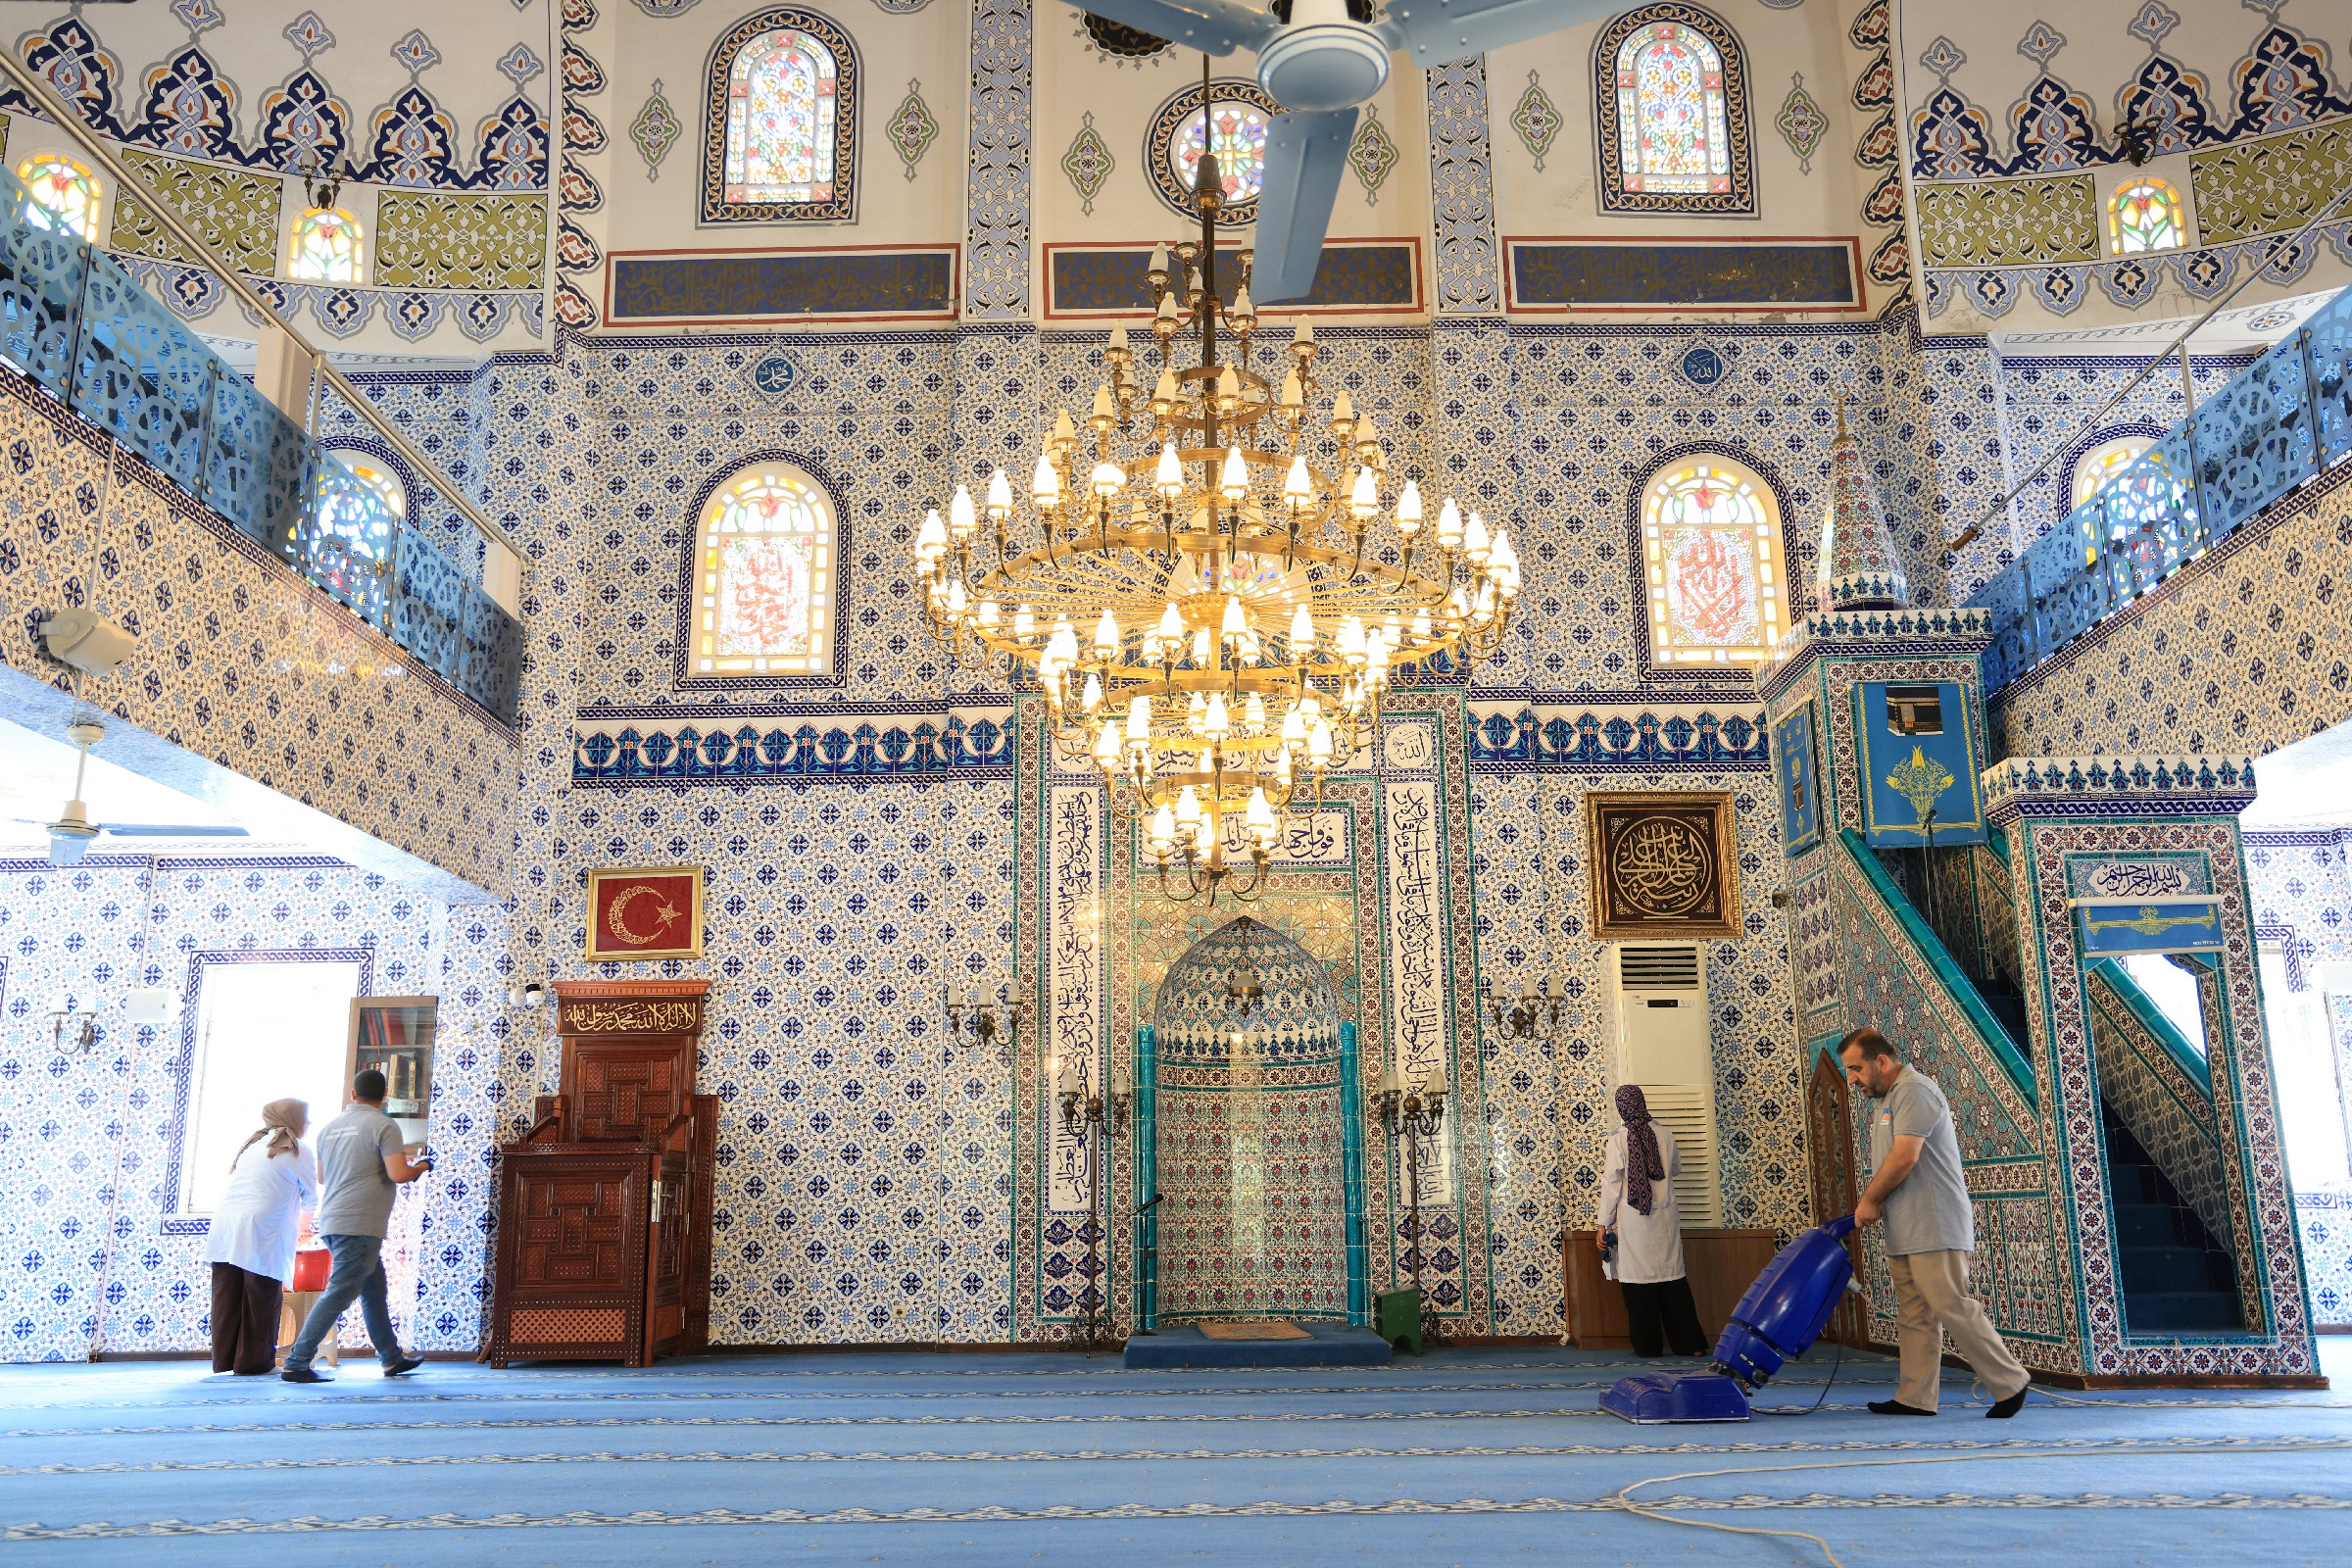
[626, 1091]
[1830, 1151]
[571, 1268]
[571, 1229]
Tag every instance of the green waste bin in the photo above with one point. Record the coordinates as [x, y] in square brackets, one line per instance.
[1396, 1315]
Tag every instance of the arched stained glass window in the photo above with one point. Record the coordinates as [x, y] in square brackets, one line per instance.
[2145, 215]
[65, 195]
[782, 107]
[1711, 553]
[764, 577]
[327, 247]
[1232, 128]
[1671, 88]
[2102, 463]
[376, 476]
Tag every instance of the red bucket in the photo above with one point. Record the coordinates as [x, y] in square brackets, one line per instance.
[311, 1268]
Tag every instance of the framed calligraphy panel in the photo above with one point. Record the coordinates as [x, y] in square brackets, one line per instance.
[1663, 864]
[645, 911]
[1793, 753]
[1918, 758]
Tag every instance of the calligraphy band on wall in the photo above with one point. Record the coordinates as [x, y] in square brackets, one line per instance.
[637, 913]
[1663, 864]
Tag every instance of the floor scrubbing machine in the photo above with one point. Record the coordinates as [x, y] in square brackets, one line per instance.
[1781, 1316]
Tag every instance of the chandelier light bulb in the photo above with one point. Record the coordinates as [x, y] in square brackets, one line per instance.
[1343, 411]
[1160, 260]
[1233, 482]
[1092, 698]
[1187, 808]
[1259, 814]
[1365, 501]
[1169, 479]
[1205, 836]
[1163, 319]
[960, 519]
[1107, 749]
[1282, 769]
[1229, 389]
[1045, 484]
[1237, 619]
[1367, 442]
[1163, 829]
[1171, 630]
[1450, 525]
[1302, 636]
[1118, 339]
[1297, 489]
[1318, 745]
[1024, 624]
[1253, 716]
[958, 601]
[1106, 635]
[1423, 630]
[1376, 650]
[1476, 540]
[1241, 307]
[1294, 730]
[1196, 713]
[1106, 480]
[1294, 392]
[1103, 409]
[1138, 720]
[931, 540]
[1065, 430]
[1304, 333]
[1000, 496]
[1062, 646]
[1351, 639]
[1217, 723]
[1201, 646]
[988, 614]
[1164, 393]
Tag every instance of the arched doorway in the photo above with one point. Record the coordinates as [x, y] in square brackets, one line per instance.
[1251, 1131]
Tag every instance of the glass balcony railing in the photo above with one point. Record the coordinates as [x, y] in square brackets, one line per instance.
[2284, 420]
[76, 323]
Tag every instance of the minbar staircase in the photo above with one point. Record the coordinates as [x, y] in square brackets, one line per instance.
[2175, 1278]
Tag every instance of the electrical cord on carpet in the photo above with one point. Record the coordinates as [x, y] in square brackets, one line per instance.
[1827, 1384]
[1624, 1500]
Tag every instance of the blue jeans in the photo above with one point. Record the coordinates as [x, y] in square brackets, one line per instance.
[358, 1271]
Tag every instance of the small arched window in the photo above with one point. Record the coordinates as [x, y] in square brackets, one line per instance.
[1711, 553]
[782, 109]
[371, 472]
[65, 195]
[2102, 463]
[1672, 95]
[2145, 215]
[764, 577]
[329, 247]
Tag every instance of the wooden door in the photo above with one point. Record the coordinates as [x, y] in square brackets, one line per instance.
[1831, 1153]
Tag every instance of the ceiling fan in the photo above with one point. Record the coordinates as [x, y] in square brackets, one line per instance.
[1320, 59]
[70, 834]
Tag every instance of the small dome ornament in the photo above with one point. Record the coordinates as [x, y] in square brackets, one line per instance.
[1858, 568]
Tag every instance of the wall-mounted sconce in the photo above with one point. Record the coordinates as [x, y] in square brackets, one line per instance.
[71, 1029]
[529, 995]
[984, 1020]
[1533, 1015]
[1244, 992]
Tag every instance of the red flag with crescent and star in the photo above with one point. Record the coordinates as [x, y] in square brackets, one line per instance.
[655, 912]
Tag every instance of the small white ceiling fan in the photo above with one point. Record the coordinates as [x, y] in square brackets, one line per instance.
[70, 834]
[1320, 59]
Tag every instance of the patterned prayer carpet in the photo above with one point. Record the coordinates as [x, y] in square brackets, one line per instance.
[1464, 1457]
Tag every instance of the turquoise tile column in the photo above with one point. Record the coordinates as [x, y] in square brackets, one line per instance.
[1352, 1174]
[1147, 1174]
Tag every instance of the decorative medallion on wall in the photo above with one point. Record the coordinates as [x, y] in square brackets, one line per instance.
[1801, 122]
[1241, 115]
[1799, 779]
[1372, 154]
[647, 911]
[1116, 41]
[655, 130]
[1536, 121]
[1088, 163]
[1663, 864]
[1703, 363]
[911, 128]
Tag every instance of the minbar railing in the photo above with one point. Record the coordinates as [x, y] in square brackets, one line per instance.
[76, 325]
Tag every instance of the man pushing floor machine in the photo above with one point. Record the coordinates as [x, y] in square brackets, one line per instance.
[1917, 1189]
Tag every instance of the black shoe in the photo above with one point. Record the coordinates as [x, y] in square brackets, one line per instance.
[406, 1364]
[2008, 1408]
[303, 1374]
[1895, 1407]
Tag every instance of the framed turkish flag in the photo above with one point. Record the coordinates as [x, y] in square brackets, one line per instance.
[645, 911]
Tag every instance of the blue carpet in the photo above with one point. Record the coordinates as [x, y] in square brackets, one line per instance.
[1183, 1345]
[1464, 1457]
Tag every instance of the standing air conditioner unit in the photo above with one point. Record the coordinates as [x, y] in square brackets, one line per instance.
[1659, 992]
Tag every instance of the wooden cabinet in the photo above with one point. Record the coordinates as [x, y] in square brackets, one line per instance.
[604, 1231]
[1720, 1264]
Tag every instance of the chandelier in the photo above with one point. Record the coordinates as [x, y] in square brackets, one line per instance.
[1189, 585]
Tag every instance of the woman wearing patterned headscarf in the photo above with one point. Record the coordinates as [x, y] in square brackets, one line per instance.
[251, 1244]
[1638, 1210]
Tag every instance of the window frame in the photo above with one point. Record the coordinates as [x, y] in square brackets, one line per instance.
[359, 263]
[2099, 451]
[842, 206]
[1783, 591]
[834, 597]
[1739, 198]
[100, 201]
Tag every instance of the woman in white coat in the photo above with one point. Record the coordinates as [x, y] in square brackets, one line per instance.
[251, 1247]
[1638, 1213]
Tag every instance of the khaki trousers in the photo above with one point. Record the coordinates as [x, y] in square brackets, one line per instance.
[1932, 1299]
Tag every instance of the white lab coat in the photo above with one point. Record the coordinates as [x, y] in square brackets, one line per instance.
[260, 1217]
[1650, 1247]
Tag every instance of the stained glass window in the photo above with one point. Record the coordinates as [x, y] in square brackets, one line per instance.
[764, 577]
[1670, 111]
[326, 247]
[2093, 469]
[65, 195]
[2145, 215]
[1711, 551]
[781, 102]
[372, 472]
[1236, 131]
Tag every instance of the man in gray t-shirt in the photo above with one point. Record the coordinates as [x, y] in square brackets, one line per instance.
[362, 1166]
[1919, 1193]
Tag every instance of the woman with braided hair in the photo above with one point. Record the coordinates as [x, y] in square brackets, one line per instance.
[1638, 1214]
[251, 1244]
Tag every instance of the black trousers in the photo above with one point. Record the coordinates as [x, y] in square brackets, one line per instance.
[1662, 1314]
[245, 1308]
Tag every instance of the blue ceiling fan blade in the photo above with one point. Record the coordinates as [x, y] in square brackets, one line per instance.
[168, 830]
[1434, 32]
[1305, 155]
[1212, 26]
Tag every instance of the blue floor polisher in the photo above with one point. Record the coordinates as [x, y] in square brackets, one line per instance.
[1781, 1316]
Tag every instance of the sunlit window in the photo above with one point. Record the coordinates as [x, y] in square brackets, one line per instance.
[2145, 215]
[1711, 553]
[780, 112]
[376, 476]
[1670, 104]
[327, 248]
[2102, 463]
[1236, 131]
[764, 575]
[65, 195]
[263, 1031]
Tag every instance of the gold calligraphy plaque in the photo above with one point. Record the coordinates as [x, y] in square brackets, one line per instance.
[643, 1018]
[1662, 863]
